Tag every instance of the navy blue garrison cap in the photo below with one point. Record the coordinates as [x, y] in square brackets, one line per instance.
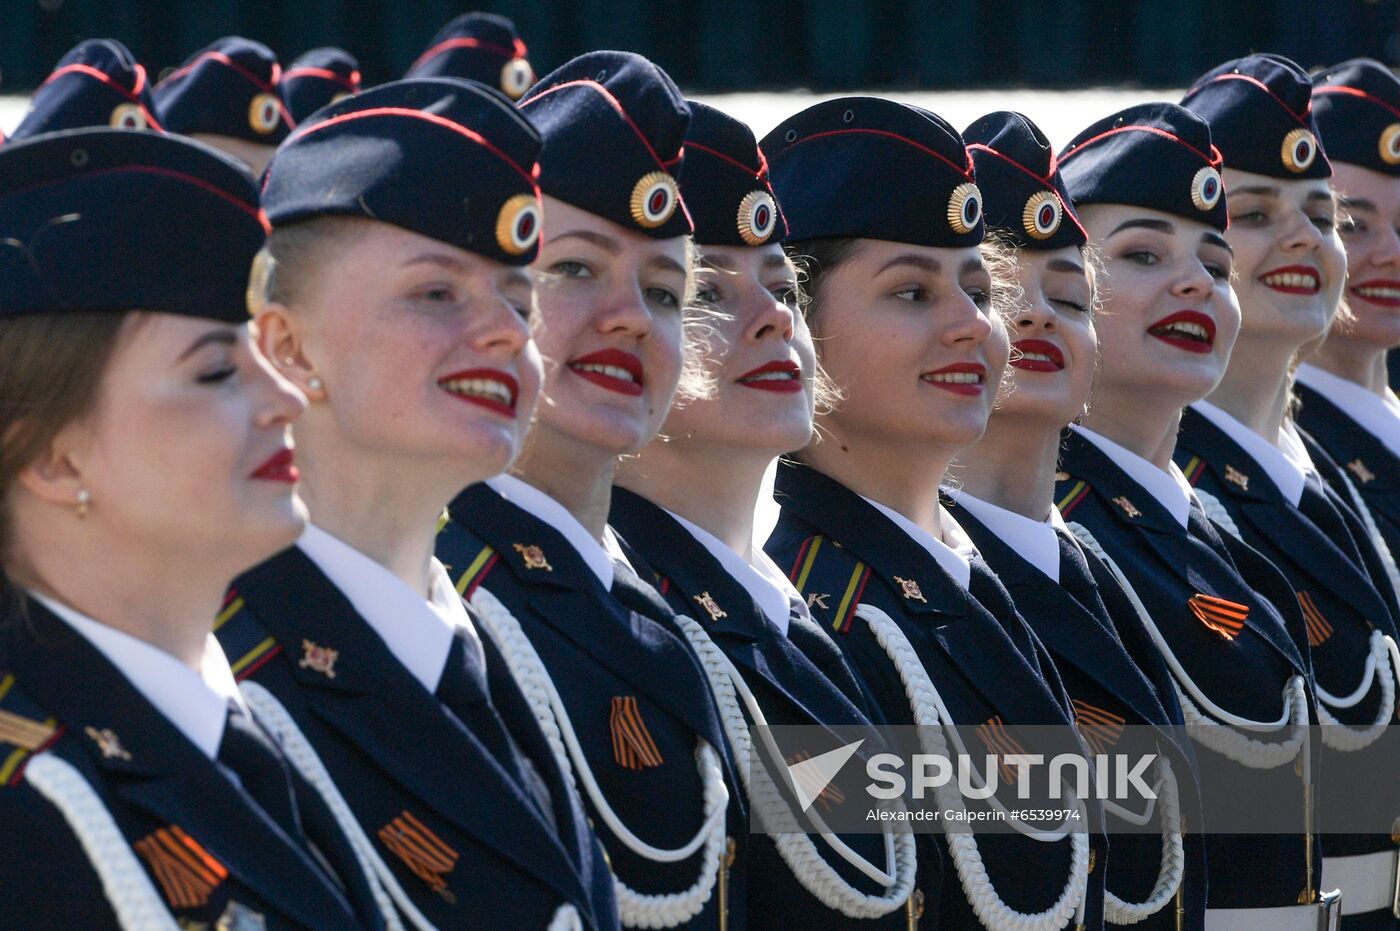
[1154, 155]
[319, 77]
[113, 220]
[613, 125]
[1260, 113]
[725, 182]
[480, 47]
[227, 89]
[450, 160]
[98, 83]
[1357, 107]
[1024, 196]
[875, 169]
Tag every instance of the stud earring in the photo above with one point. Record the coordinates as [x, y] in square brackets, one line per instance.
[84, 499]
[314, 383]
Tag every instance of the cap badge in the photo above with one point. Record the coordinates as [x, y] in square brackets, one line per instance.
[1236, 477]
[516, 78]
[318, 658]
[1390, 144]
[1042, 215]
[654, 199]
[518, 224]
[533, 557]
[965, 208]
[757, 217]
[910, 589]
[1127, 506]
[712, 608]
[1206, 188]
[1299, 150]
[127, 116]
[108, 743]
[1363, 475]
[264, 113]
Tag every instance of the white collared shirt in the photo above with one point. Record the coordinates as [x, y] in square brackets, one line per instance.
[417, 630]
[762, 578]
[1378, 416]
[1169, 487]
[1035, 541]
[598, 554]
[195, 702]
[955, 560]
[1286, 461]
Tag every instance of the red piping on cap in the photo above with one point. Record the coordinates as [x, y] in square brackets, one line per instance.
[1263, 87]
[758, 175]
[200, 183]
[430, 118]
[1214, 160]
[96, 74]
[964, 171]
[1354, 92]
[353, 82]
[262, 85]
[469, 42]
[1067, 210]
[616, 105]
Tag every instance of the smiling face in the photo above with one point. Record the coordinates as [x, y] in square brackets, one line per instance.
[1054, 346]
[610, 329]
[422, 349]
[1169, 317]
[759, 356]
[188, 450]
[1289, 263]
[1371, 233]
[909, 335]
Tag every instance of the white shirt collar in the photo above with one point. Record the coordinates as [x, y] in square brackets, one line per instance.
[195, 702]
[599, 555]
[1378, 416]
[1170, 487]
[955, 560]
[762, 579]
[1286, 461]
[1034, 540]
[417, 630]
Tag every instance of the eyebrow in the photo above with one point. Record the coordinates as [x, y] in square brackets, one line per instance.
[1065, 265]
[222, 337]
[666, 264]
[921, 262]
[1160, 226]
[1357, 203]
[438, 259]
[1215, 239]
[604, 242]
[1320, 195]
[1262, 190]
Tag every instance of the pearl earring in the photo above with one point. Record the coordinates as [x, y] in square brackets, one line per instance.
[84, 499]
[314, 383]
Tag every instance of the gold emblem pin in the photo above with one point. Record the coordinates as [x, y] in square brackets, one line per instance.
[1363, 475]
[108, 743]
[911, 589]
[318, 658]
[707, 602]
[533, 556]
[1127, 506]
[1237, 477]
[818, 600]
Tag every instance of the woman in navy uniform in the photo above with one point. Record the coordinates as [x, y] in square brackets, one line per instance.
[885, 215]
[482, 47]
[1241, 449]
[98, 83]
[593, 644]
[1146, 182]
[1002, 494]
[402, 313]
[146, 461]
[1346, 404]
[686, 504]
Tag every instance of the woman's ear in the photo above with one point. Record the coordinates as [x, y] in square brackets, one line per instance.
[279, 338]
[56, 476]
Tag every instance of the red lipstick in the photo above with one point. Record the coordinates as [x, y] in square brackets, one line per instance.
[1383, 292]
[1190, 330]
[279, 468]
[612, 369]
[492, 389]
[780, 375]
[1292, 279]
[964, 378]
[1054, 360]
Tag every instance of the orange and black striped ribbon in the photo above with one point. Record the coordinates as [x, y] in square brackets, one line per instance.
[184, 869]
[426, 854]
[995, 737]
[1319, 628]
[1224, 617]
[1099, 728]
[632, 744]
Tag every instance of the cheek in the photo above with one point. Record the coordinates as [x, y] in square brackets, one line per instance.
[663, 353]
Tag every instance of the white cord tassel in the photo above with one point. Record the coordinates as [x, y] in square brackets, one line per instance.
[638, 910]
[128, 889]
[1374, 532]
[931, 716]
[270, 713]
[1173, 864]
[797, 850]
[1217, 513]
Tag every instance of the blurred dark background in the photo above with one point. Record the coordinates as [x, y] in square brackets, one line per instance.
[716, 45]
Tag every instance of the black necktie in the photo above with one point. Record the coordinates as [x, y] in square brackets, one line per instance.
[464, 690]
[250, 754]
[1319, 508]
